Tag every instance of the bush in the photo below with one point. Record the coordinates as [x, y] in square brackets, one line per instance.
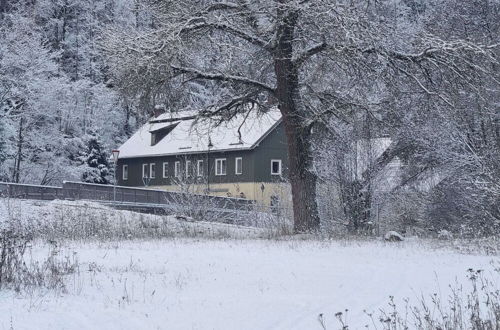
[476, 309]
[18, 273]
[12, 249]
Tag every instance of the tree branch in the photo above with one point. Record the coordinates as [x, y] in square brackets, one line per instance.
[308, 53]
[223, 77]
[231, 30]
[436, 47]
[236, 104]
[393, 151]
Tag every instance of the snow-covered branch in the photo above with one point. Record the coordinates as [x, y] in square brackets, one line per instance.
[238, 32]
[308, 53]
[224, 77]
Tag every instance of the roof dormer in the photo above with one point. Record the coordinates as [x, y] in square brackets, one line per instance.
[158, 133]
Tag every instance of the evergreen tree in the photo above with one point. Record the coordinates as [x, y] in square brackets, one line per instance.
[95, 162]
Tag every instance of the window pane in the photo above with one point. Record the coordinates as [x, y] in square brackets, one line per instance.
[152, 170]
[177, 169]
[188, 168]
[125, 172]
[165, 170]
[223, 167]
[200, 168]
[275, 167]
[239, 165]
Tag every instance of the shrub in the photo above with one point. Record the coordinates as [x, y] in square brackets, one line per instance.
[476, 309]
[18, 272]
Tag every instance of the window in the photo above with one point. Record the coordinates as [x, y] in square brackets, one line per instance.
[188, 168]
[276, 166]
[125, 172]
[159, 134]
[144, 170]
[199, 168]
[238, 165]
[165, 170]
[220, 166]
[177, 169]
[152, 170]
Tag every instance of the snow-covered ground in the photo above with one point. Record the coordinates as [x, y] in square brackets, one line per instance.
[234, 284]
[62, 219]
[139, 271]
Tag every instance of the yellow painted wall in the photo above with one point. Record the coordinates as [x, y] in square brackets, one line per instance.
[251, 190]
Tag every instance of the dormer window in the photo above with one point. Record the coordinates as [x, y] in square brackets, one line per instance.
[158, 134]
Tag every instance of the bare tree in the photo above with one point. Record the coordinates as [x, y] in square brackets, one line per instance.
[311, 58]
[440, 115]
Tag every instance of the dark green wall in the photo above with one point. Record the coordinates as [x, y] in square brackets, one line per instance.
[256, 164]
[272, 147]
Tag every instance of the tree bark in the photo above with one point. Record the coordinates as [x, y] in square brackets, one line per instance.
[17, 168]
[302, 180]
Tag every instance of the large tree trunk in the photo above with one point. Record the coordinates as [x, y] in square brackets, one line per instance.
[302, 180]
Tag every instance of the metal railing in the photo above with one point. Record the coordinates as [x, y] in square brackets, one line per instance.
[15, 190]
[89, 191]
[97, 192]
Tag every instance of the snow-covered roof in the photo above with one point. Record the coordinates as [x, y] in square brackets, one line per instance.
[190, 135]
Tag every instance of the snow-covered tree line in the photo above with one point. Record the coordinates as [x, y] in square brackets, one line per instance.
[55, 96]
[444, 124]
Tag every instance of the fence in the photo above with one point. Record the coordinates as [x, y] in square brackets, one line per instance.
[15, 190]
[96, 192]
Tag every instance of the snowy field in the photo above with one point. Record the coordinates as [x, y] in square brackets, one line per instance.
[234, 284]
[214, 276]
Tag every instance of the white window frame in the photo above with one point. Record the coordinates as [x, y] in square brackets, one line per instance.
[279, 168]
[188, 168]
[218, 169]
[236, 165]
[125, 172]
[199, 167]
[177, 169]
[152, 170]
[165, 170]
[145, 168]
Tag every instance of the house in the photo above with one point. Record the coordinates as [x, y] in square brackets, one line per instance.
[243, 158]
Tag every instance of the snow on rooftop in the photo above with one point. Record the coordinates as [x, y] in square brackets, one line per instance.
[192, 136]
[173, 116]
